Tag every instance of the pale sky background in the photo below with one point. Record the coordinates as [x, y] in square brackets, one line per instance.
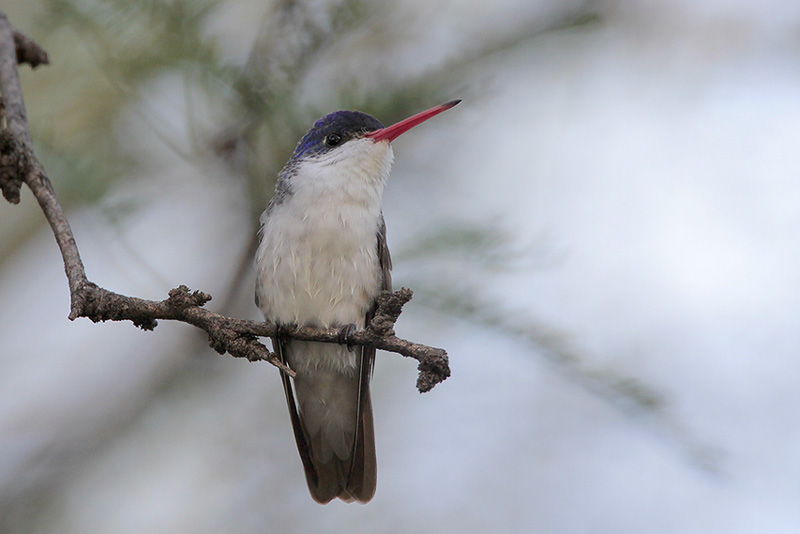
[646, 171]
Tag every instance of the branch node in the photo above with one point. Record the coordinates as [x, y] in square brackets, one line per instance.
[219, 346]
[182, 297]
[145, 323]
[28, 51]
[390, 305]
[87, 302]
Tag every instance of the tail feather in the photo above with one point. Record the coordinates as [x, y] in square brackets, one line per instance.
[364, 469]
[331, 414]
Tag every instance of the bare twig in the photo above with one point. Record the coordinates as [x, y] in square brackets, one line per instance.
[237, 337]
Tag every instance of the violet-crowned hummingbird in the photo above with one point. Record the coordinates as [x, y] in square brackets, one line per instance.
[322, 261]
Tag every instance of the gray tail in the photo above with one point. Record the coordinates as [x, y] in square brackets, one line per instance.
[338, 462]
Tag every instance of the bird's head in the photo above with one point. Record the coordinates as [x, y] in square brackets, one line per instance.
[348, 148]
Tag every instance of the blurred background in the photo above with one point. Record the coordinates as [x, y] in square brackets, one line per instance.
[603, 235]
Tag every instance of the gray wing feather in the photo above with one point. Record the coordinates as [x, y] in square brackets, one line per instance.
[363, 477]
[384, 259]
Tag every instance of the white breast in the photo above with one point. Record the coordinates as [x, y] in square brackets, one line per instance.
[317, 261]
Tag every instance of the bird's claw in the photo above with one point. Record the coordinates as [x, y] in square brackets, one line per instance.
[282, 330]
[344, 333]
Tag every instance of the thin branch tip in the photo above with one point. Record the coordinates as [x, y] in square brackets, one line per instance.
[433, 370]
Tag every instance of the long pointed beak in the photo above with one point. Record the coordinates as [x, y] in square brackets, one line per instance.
[390, 133]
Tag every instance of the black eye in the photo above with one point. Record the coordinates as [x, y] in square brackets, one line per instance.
[333, 139]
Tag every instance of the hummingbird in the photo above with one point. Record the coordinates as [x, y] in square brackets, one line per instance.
[322, 261]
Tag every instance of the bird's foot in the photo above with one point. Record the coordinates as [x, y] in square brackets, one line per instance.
[344, 333]
[282, 330]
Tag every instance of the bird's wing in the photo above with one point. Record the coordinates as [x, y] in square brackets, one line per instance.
[384, 259]
[363, 473]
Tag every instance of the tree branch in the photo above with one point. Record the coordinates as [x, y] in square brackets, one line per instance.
[237, 337]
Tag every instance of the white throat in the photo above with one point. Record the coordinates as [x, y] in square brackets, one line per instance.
[354, 173]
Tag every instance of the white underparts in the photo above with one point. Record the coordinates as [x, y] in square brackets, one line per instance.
[317, 261]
